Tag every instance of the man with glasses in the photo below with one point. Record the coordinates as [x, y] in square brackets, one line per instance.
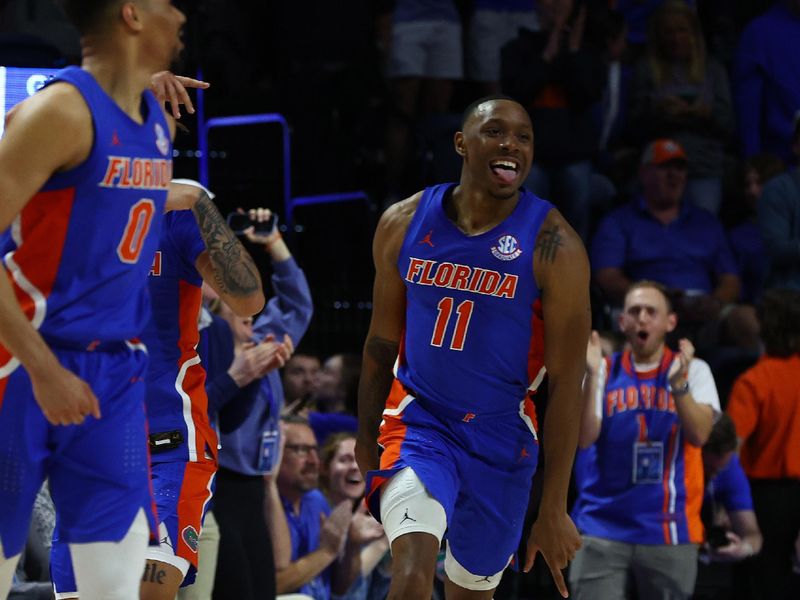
[306, 553]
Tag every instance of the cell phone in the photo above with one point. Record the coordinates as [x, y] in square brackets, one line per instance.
[239, 222]
[717, 537]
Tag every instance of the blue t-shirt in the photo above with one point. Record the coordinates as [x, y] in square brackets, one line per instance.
[730, 488]
[751, 258]
[305, 531]
[688, 254]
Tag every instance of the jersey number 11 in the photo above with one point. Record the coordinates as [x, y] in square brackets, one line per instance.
[463, 316]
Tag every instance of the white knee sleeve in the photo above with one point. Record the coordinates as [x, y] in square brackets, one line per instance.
[463, 578]
[407, 507]
[7, 568]
[112, 570]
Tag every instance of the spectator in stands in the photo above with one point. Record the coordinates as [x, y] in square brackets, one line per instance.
[660, 237]
[334, 404]
[300, 380]
[681, 93]
[317, 560]
[767, 80]
[638, 14]
[639, 474]
[493, 24]
[341, 480]
[765, 406]
[779, 223]
[745, 238]
[425, 59]
[732, 532]
[248, 397]
[558, 79]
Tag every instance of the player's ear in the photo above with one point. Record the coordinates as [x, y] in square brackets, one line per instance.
[458, 141]
[130, 16]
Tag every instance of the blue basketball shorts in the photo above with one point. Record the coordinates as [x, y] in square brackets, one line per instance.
[98, 471]
[182, 492]
[478, 467]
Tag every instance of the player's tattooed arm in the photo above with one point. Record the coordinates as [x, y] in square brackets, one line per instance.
[235, 273]
[549, 241]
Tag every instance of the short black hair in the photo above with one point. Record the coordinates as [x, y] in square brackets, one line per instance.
[779, 315]
[470, 110]
[86, 15]
[723, 437]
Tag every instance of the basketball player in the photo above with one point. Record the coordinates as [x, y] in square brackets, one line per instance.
[85, 166]
[480, 287]
[195, 246]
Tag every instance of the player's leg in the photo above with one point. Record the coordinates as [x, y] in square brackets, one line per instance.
[208, 549]
[182, 491]
[100, 477]
[160, 580]
[7, 568]
[414, 522]
[103, 569]
[495, 469]
[23, 452]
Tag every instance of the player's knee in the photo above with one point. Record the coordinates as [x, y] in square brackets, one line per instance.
[463, 578]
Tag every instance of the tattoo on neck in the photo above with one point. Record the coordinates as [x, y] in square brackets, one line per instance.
[234, 270]
[548, 244]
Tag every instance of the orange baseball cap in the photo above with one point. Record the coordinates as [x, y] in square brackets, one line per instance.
[663, 151]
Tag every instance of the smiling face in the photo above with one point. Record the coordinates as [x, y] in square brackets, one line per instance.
[645, 320]
[343, 478]
[497, 147]
[299, 470]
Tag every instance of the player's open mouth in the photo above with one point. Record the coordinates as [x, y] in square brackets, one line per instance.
[642, 335]
[505, 170]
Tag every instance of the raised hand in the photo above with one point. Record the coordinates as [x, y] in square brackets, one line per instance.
[333, 533]
[594, 353]
[171, 88]
[679, 370]
[261, 215]
[364, 528]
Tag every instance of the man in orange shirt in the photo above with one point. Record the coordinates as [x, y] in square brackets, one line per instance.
[765, 406]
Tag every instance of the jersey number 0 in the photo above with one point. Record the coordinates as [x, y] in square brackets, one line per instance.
[139, 219]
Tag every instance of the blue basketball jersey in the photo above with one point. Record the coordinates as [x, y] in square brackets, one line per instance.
[640, 482]
[176, 398]
[474, 335]
[109, 207]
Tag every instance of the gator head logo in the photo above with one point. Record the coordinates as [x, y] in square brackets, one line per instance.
[190, 537]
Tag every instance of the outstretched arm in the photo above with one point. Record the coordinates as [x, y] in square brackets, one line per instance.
[385, 331]
[562, 272]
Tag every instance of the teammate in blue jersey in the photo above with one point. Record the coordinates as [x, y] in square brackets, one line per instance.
[85, 166]
[194, 246]
[480, 288]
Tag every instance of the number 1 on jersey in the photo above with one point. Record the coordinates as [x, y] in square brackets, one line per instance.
[463, 316]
